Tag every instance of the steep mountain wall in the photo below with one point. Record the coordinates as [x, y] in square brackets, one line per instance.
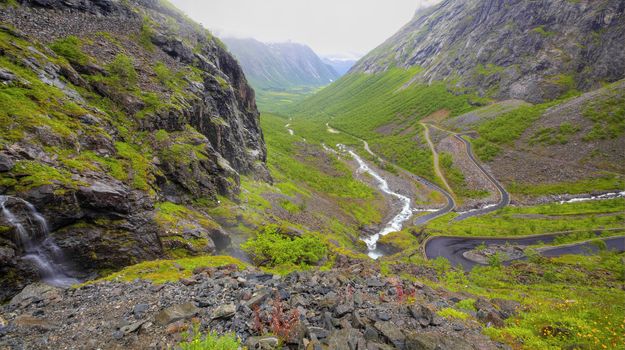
[530, 50]
[114, 115]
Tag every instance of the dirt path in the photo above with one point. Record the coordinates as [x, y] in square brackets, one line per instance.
[437, 167]
[504, 196]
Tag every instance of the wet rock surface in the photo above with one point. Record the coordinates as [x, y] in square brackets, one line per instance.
[352, 308]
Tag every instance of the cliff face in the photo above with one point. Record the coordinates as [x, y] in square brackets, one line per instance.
[530, 50]
[114, 115]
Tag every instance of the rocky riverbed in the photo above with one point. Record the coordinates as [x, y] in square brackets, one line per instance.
[348, 308]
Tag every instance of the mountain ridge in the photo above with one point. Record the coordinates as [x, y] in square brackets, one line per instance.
[279, 66]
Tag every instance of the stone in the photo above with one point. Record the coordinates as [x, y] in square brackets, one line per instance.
[132, 327]
[26, 321]
[391, 332]
[343, 309]
[35, 292]
[371, 334]
[494, 319]
[6, 75]
[188, 281]
[268, 342]
[140, 309]
[508, 308]
[317, 332]
[6, 163]
[176, 313]
[421, 312]
[383, 315]
[176, 327]
[375, 282]
[117, 335]
[344, 339]
[257, 299]
[224, 311]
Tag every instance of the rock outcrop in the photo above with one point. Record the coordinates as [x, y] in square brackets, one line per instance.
[113, 113]
[349, 308]
[529, 50]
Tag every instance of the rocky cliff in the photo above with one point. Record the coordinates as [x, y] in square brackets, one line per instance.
[529, 50]
[114, 115]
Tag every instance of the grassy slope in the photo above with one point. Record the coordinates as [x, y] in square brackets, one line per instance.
[360, 104]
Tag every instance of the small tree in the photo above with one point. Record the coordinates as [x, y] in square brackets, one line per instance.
[122, 68]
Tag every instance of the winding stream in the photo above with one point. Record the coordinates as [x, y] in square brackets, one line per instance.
[397, 222]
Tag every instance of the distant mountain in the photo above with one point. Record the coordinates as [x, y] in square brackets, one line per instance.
[280, 66]
[340, 65]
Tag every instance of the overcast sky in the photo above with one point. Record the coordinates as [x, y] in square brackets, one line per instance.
[330, 27]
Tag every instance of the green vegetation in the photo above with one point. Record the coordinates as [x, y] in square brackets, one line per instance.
[271, 247]
[123, 70]
[146, 34]
[383, 109]
[488, 70]
[35, 174]
[505, 129]
[70, 48]
[161, 271]
[453, 313]
[138, 167]
[608, 116]
[565, 301]
[579, 297]
[605, 182]
[279, 101]
[456, 178]
[544, 33]
[517, 221]
[210, 341]
[552, 136]
[467, 304]
[317, 171]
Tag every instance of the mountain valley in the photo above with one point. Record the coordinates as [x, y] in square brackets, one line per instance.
[462, 186]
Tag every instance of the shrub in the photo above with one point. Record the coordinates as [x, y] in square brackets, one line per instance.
[70, 48]
[123, 69]
[270, 247]
[164, 75]
[211, 341]
[453, 313]
[467, 304]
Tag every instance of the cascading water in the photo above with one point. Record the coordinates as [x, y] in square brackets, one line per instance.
[397, 222]
[37, 246]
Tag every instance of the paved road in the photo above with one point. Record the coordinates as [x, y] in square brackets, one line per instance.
[453, 248]
[504, 196]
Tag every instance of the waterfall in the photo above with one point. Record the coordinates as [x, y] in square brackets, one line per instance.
[397, 222]
[37, 246]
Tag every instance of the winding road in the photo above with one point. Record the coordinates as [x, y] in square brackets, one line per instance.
[504, 196]
[453, 248]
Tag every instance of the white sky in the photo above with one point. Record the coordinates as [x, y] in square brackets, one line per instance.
[330, 27]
